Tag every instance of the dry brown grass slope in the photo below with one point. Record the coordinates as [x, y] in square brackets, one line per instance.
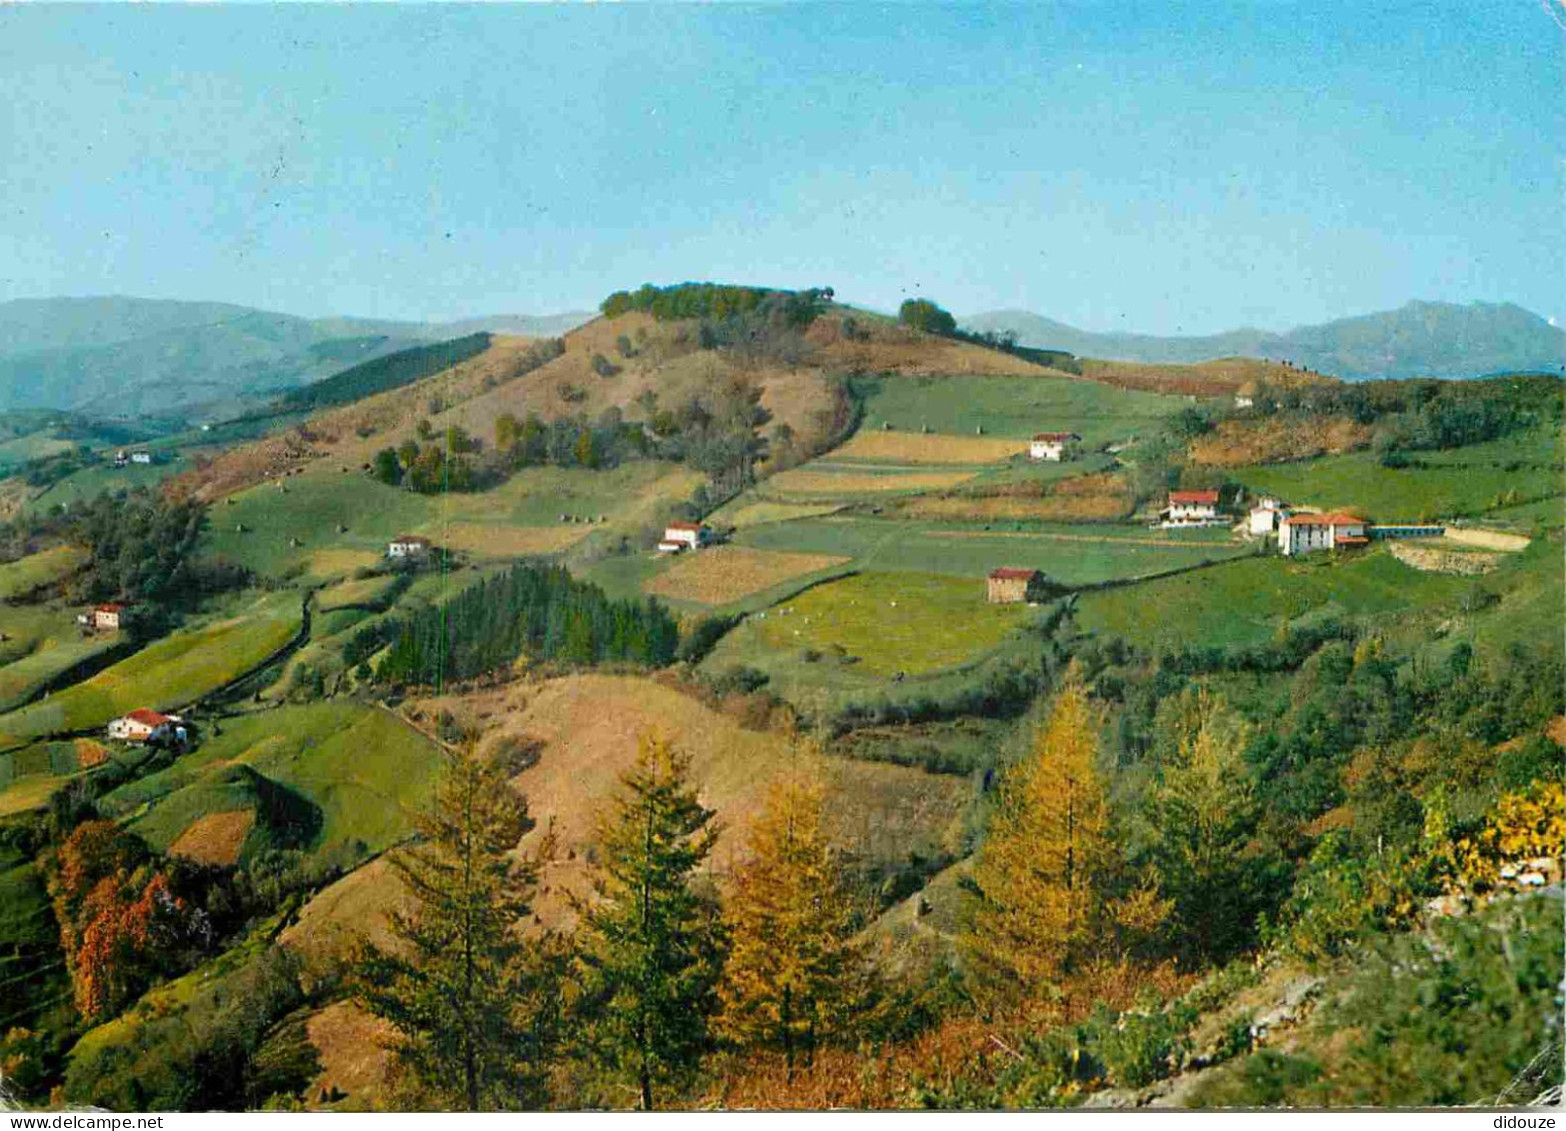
[665, 358]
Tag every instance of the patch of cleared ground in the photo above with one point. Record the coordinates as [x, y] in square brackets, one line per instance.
[723, 574]
[215, 838]
[914, 447]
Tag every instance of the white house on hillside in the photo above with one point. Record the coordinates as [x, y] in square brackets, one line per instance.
[1265, 516]
[408, 546]
[679, 536]
[1053, 446]
[1191, 508]
[1302, 533]
[144, 725]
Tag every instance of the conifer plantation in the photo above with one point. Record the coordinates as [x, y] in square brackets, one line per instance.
[537, 611]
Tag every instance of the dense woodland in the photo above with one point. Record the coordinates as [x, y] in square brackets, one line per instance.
[536, 613]
[389, 372]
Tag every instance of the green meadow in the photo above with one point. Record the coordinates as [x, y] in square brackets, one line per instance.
[1074, 555]
[1012, 406]
[365, 773]
[169, 673]
[1411, 494]
[1246, 602]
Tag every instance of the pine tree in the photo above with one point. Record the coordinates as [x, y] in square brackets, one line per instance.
[1203, 813]
[475, 1004]
[789, 981]
[650, 950]
[1041, 868]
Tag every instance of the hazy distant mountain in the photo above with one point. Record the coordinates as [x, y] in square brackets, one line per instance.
[1422, 339]
[119, 355]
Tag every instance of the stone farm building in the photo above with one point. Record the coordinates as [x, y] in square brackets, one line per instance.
[679, 536]
[1302, 533]
[1010, 586]
[1191, 508]
[1053, 446]
[408, 546]
[107, 617]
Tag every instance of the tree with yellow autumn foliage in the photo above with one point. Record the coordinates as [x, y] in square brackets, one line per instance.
[793, 967]
[1040, 873]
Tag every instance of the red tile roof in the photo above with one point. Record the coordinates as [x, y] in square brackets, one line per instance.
[1056, 437]
[147, 717]
[1338, 519]
[1004, 574]
[110, 607]
[693, 527]
[1209, 497]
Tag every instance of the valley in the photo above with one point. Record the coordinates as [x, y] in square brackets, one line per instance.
[796, 542]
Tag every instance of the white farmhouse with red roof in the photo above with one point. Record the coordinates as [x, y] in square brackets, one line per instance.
[1302, 533]
[142, 725]
[1191, 508]
[408, 546]
[1053, 446]
[679, 536]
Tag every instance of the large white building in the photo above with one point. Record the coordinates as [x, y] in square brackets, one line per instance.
[1303, 533]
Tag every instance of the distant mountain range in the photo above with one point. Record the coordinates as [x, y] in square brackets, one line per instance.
[131, 356]
[1421, 339]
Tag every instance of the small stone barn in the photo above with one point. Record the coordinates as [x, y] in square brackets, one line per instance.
[1009, 586]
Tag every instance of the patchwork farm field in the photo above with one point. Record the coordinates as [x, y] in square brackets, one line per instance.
[360, 771]
[880, 623]
[898, 448]
[1073, 555]
[722, 575]
[746, 511]
[1012, 407]
[521, 516]
[1245, 602]
[1411, 494]
[30, 774]
[826, 479]
[174, 671]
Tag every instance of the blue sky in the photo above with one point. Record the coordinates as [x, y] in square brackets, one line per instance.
[1118, 165]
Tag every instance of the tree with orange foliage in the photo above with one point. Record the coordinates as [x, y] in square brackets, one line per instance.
[120, 920]
[790, 979]
[1040, 872]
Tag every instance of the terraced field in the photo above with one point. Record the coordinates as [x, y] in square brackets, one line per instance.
[722, 575]
[327, 523]
[41, 643]
[174, 671]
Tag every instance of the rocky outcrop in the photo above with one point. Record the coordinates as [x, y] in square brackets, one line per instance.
[1433, 560]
